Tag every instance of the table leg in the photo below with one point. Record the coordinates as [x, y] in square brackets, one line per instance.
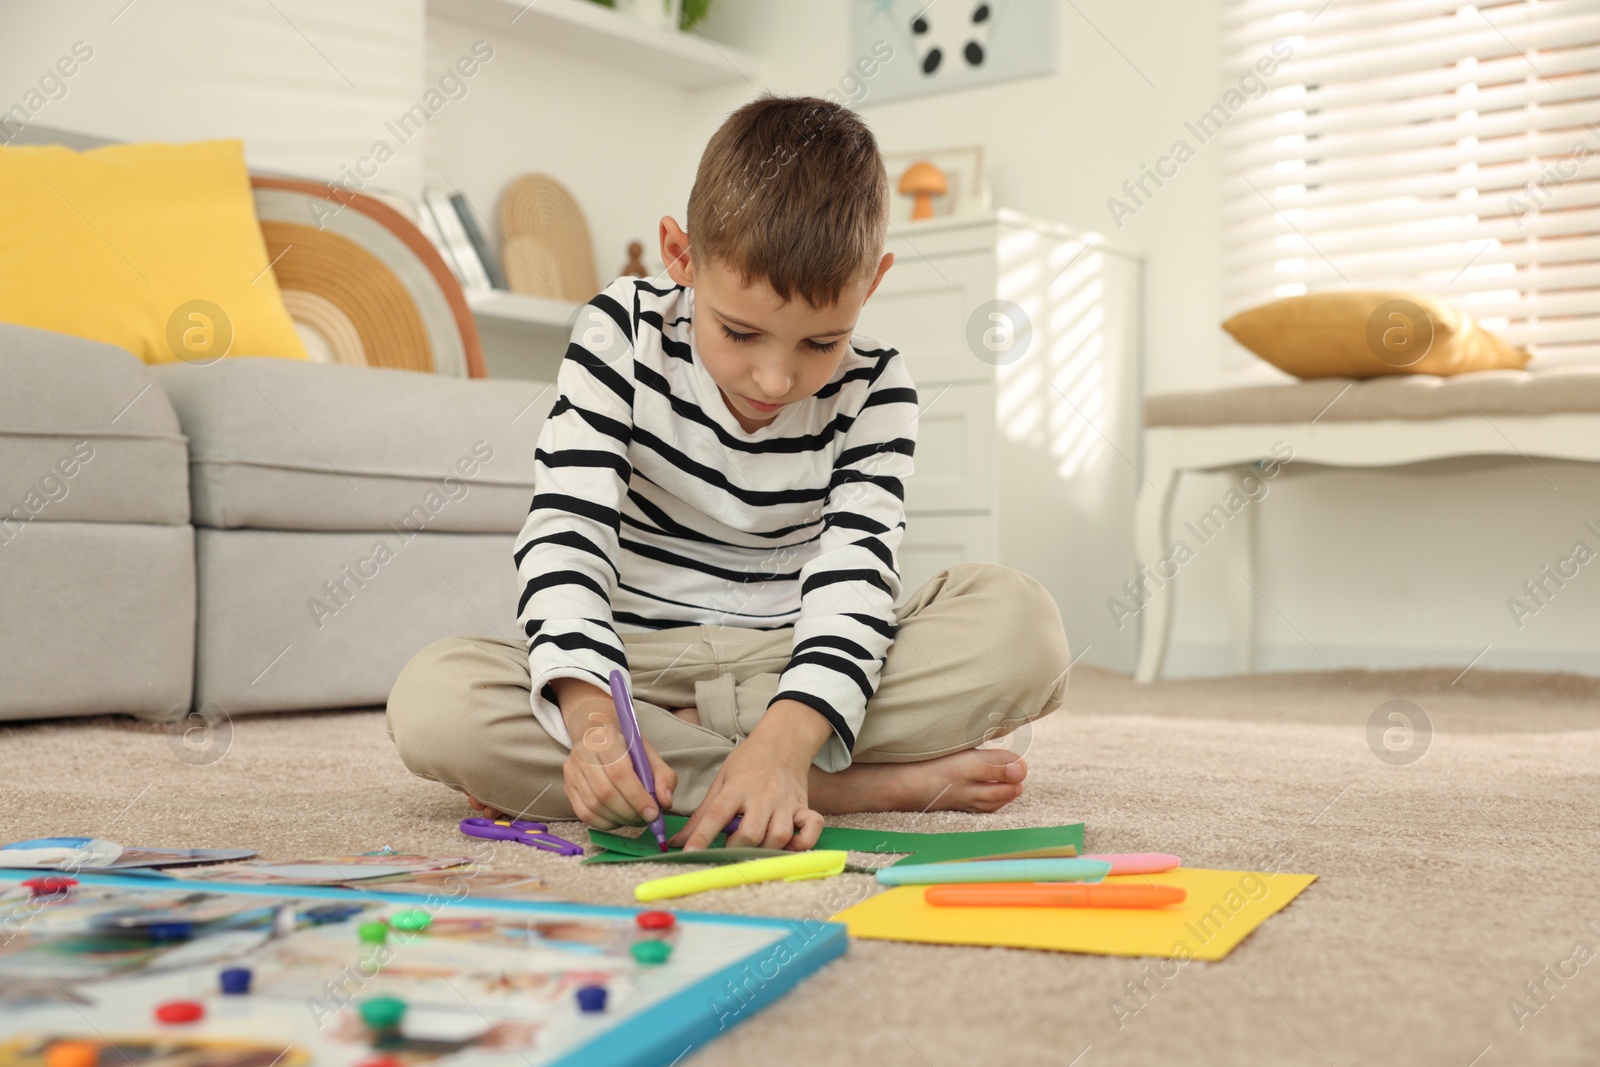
[1151, 538]
[1241, 592]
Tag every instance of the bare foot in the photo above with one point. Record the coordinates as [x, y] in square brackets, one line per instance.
[483, 809]
[979, 780]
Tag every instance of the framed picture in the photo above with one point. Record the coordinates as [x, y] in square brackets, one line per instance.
[966, 189]
[951, 44]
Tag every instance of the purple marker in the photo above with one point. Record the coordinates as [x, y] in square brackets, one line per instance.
[635, 742]
[629, 721]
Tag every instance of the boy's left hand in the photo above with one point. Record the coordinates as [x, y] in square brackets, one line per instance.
[764, 780]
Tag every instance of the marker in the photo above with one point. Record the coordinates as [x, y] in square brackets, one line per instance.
[1068, 895]
[818, 863]
[629, 721]
[1121, 862]
[1045, 853]
[1055, 870]
[1139, 862]
[635, 742]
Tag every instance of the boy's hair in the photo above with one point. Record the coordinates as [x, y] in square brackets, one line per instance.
[792, 189]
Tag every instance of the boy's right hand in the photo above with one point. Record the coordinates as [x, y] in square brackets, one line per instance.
[598, 774]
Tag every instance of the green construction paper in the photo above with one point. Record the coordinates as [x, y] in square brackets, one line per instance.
[619, 848]
[715, 857]
[921, 848]
[955, 845]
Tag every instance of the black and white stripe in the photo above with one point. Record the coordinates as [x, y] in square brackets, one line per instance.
[653, 508]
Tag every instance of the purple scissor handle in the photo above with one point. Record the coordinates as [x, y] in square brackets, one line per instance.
[536, 834]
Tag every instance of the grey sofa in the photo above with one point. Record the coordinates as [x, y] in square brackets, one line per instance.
[249, 535]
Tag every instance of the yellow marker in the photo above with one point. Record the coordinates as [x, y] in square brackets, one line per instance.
[823, 863]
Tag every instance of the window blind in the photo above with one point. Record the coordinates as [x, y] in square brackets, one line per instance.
[1419, 144]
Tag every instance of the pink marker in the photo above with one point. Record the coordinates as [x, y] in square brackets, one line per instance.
[1138, 862]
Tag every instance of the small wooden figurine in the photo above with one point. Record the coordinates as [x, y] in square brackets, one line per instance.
[635, 265]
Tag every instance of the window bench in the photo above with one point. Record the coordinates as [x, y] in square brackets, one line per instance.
[1338, 422]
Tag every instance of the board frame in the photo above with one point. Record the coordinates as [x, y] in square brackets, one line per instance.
[659, 1036]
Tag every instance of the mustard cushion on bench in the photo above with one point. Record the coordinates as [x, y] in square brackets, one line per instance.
[154, 248]
[1360, 333]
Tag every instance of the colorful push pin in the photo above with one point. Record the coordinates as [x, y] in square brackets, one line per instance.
[591, 998]
[235, 981]
[651, 953]
[655, 920]
[72, 1054]
[412, 920]
[180, 1011]
[373, 933]
[49, 886]
[383, 1014]
[381, 1061]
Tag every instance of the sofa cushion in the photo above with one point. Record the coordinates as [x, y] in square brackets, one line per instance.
[311, 446]
[1548, 391]
[85, 436]
[172, 266]
[1364, 333]
[325, 620]
[99, 620]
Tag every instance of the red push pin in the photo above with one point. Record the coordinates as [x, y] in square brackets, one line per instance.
[655, 920]
[49, 886]
[180, 1011]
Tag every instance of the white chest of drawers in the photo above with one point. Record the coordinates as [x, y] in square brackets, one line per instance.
[1028, 438]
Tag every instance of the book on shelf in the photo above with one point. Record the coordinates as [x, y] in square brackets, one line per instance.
[425, 223]
[497, 277]
[452, 240]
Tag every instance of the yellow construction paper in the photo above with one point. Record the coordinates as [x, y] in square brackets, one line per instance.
[1222, 909]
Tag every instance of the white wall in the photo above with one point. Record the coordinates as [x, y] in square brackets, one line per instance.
[307, 84]
[615, 140]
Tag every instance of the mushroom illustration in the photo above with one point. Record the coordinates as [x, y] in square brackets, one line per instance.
[922, 181]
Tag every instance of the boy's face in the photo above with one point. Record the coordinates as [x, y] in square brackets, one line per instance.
[762, 353]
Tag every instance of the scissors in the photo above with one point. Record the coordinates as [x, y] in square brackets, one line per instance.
[536, 834]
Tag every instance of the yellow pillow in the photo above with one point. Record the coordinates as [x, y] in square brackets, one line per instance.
[1351, 333]
[154, 247]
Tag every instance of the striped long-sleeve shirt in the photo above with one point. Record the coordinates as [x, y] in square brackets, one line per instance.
[653, 508]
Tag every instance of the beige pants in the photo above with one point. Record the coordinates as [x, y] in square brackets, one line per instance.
[980, 651]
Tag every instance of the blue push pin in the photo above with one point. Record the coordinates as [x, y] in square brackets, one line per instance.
[592, 998]
[235, 980]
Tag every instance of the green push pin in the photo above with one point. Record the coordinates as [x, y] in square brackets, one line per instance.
[412, 920]
[373, 933]
[651, 953]
[383, 1014]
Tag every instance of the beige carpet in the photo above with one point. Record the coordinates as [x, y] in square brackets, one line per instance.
[1445, 885]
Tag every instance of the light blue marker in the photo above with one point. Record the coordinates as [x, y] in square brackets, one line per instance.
[1041, 870]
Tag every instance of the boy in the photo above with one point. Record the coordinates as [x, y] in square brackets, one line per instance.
[718, 505]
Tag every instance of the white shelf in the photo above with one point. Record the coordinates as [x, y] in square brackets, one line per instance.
[519, 310]
[582, 28]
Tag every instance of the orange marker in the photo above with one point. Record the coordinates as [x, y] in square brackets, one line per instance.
[1055, 895]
